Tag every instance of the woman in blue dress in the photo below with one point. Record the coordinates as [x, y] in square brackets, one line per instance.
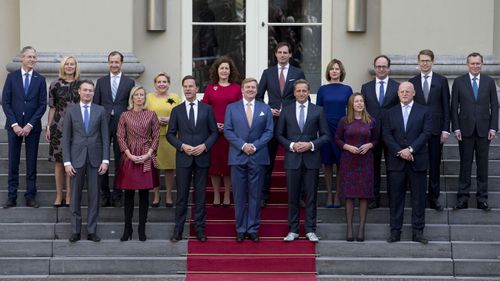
[333, 97]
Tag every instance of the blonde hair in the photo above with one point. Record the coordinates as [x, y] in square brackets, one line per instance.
[62, 74]
[131, 97]
[161, 74]
[365, 116]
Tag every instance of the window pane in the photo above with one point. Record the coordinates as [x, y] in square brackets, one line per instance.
[294, 11]
[306, 50]
[212, 41]
[218, 10]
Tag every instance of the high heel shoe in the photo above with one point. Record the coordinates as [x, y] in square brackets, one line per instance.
[156, 204]
[361, 234]
[348, 235]
[127, 233]
[142, 233]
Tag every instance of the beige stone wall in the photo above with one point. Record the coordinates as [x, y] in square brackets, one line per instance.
[9, 32]
[496, 29]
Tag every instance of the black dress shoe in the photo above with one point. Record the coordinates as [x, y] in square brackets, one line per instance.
[420, 239]
[462, 204]
[93, 237]
[31, 202]
[106, 202]
[176, 237]
[483, 206]
[200, 235]
[395, 237]
[9, 203]
[434, 204]
[74, 237]
[373, 205]
[117, 203]
[253, 236]
[240, 236]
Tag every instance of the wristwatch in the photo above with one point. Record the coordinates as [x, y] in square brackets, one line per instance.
[411, 149]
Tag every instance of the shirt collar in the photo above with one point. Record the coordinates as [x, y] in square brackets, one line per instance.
[286, 66]
[386, 79]
[472, 76]
[252, 102]
[83, 104]
[429, 75]
[24, 72]
[119, 75]
[297, 104]
[410, 105]
[188, 103]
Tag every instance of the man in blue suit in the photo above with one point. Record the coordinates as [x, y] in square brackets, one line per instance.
[406, 130]
[248, 126]
[277, 81]
[24, 103]
[380, 94]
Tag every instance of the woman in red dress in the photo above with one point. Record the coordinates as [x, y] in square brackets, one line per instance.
[222, 91]
[138, 135]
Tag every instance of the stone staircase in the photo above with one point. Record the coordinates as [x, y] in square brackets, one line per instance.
[463, 244]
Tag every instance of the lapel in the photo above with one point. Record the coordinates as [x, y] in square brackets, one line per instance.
[469, 85]
[92, 117]
[79, 117]
[276, 78]
[119, 90]
[243, 111]
[107, 88]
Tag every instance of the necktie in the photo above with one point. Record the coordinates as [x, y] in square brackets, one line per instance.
[86, 118]
[405, 115]
[249, 114]
[301, 117]
[475, 87]
[26, 83]
[114, 87]
[381, 93]
[191, 115]
[426, 88]
[282, 80]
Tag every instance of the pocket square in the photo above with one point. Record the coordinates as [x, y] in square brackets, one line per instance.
[262, 114]
[291, 79]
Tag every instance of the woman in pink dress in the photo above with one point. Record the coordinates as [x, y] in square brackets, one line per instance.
[222, 91]
[138, 136]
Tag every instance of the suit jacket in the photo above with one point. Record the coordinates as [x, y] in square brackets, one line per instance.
[237, 132]
[315, 130]
[270, 82]
[103, 96]
[77, 144]
[181, 131]
[418, 132]
[468, 113]
[372, 105]
[438, 101]
[22, 109]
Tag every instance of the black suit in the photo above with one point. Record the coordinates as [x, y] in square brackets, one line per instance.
[474, 118]
[396, 138]
[302, 169]
[181, 131]
[114, 109]
[438, 102]
[269, 82]
[377, 112]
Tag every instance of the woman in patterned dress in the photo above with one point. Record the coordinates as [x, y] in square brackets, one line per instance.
[138, 135]
[162, 102]
[356, 135]
[62, 93]
[223, 91]
[333, 98]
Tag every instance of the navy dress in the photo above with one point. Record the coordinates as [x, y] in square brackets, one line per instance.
[333, 98]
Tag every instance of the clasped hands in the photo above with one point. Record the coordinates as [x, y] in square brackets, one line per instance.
[358, 150]
[302, 146]
[249, 149]
[406, 154]
[22, 132]
[193, 150]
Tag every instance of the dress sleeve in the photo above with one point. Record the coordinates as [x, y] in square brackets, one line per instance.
[121, 132]
[206, 95]
[155, 131]
[53, 94]
[339, 134]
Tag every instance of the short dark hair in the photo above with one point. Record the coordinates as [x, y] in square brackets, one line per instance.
[475, 54]
[114, 53]
[189, 77]
[283, 44]
[330, 66]
[27, 48]
[86, 81]
[249, 80]
[300, 81]
[233, 71]
[426, 52]
[382, 56]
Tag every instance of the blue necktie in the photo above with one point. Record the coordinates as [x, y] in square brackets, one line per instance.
[191, 115]
[475, 87]
[114, 87]
[26, 83]
[301, 117]
[86, 118]
[381, 93]
[405, 115]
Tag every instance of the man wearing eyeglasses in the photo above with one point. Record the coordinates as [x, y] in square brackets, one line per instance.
[380, 94]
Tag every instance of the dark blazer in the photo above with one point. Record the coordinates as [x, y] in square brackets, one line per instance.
[315, 130]
[418, 132]
[468, 113]
[20, 109]
[438, 101]
[181, 131]
[372, 105]
[103, 96]
[238, 133]
[270, 82]
[77, 144]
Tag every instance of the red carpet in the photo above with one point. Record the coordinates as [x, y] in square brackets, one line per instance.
[222, 258]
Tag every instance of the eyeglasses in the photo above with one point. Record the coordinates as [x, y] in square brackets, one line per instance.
[381, 66]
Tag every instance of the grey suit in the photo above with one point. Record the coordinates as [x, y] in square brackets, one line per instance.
[85, 151]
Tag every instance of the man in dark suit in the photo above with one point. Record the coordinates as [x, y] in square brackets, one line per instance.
[474, 120]
[406, 130]
[112, 91]
[432, 90]
[85, 156]
[277, 81]
[248, 126]
[380, 94]
[192, 130]
[302, 129]
[24, 102]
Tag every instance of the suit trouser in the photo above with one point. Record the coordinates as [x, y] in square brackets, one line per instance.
[247, 179]
[397, 181]
[435, 149]
[272, 148]
[31, 145]
[104, 179]
[467, 147]
[77, 182]
[378, 150]
[306, 180]
[183, 181]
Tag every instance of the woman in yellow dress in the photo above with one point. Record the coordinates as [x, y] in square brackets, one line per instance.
[162, 102]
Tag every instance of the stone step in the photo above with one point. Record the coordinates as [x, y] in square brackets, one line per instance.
[473, 233]
[24, 266]
[26, 248]
[477, 267]
[476, 250]
[116, 248]
[382, 249]
[450, 151]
